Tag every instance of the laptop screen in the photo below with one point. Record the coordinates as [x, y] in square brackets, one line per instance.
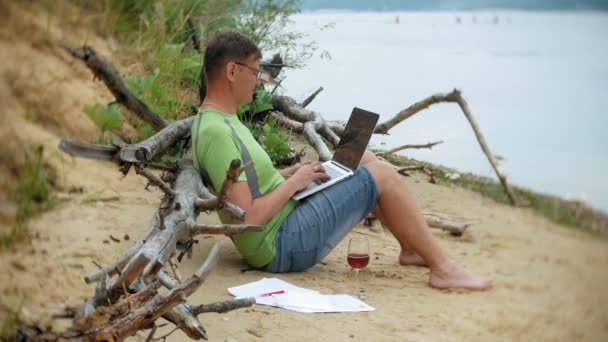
[355, 138]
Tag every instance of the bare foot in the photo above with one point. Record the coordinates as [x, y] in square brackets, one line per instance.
[410, 258]
[454, 275]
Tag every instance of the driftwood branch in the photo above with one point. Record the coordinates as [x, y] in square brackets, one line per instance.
[115, 84]
[175, 270]
[150, 148]
[232, 176]
[403, 170]
[313, 122]
[384, 127]
[153, 308]
[80, 149]
[222, 307]
[207, 201]
[310, 98]
[336, 126]
[226, 229]
[144, 261]
[484, 147]
[408, 146]
[154, 179]
[456, 97]
[455, 226]
[181, 315]
[287, 122]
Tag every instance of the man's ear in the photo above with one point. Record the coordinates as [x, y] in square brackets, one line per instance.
[230, 70]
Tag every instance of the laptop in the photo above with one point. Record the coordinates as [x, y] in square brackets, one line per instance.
[348, 154]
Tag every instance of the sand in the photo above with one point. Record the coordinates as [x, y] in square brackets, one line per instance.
[549, 280]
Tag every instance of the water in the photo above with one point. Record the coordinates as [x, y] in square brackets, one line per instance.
[535, 82]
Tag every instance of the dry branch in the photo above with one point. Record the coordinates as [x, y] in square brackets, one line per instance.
[403, 170]
[335, 126]
[403, 147]
[453, 96]
[447, 223]
[153, 308]
[148, 149]
[482, 142]
[114, 83]
[154, 179]
[310, 98]
[226, 229]
[222, 307]
[80, 149]
[384, 127]
[287, 122]
[176, 273]
[181, 315]
[232, 176]
[313, 122]
[133, 270]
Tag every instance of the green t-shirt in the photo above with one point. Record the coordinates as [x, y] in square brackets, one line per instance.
[218, 138]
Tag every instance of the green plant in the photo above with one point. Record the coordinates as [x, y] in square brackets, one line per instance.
[34, 195]
[145, 131]
[169, 88]
[173, 155]
[35, 185]
[10, 323]
[105, 117]
[262, 102]
[267, 21]
[273, 140]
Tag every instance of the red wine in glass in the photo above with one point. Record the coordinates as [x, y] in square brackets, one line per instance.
[357, 260]
[358, 257]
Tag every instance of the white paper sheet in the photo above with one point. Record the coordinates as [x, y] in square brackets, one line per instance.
[296, 298]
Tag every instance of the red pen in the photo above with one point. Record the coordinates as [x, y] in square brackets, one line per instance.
[272, 293]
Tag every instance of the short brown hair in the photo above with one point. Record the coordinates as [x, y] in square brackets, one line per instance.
[227, 46]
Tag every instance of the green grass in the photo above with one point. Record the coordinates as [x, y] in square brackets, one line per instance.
[33, 193]
[565, 212]
[9, 325]
[159, 37]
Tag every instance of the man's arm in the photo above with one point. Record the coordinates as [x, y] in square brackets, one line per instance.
[261, 209]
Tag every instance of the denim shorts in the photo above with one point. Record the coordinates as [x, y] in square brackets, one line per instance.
[321, 221]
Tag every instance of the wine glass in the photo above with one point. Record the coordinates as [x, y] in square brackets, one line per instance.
[358, 257]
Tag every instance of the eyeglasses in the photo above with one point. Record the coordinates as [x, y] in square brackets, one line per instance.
[258, 72]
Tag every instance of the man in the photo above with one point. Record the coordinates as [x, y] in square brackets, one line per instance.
[296, 235]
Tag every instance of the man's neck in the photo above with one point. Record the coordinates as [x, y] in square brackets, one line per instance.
[221, 103]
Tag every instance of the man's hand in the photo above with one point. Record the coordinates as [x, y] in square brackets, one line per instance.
[307, 173]
[288, 172]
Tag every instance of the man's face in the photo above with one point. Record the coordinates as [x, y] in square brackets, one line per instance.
[247, 79]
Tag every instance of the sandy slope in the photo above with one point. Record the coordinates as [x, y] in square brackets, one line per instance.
[549, 280]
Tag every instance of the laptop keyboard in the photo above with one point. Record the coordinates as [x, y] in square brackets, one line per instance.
[331, 173]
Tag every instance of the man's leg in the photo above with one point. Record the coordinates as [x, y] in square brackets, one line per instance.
[407, 257]
[405, 221]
